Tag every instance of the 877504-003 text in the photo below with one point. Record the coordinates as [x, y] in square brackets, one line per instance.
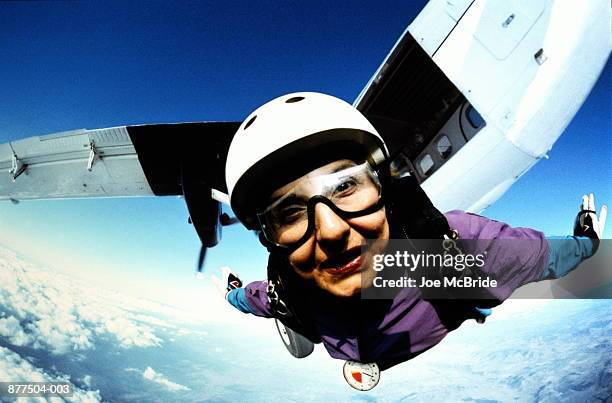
[35, 389]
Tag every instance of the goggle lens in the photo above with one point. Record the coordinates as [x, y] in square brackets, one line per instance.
[350, 189]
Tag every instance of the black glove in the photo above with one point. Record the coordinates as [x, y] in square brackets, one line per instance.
[227, 282]
[587, 224]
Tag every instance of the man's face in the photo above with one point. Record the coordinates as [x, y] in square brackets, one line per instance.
[331, 256]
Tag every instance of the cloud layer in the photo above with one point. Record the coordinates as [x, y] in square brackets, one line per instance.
[43, 309]
[17, 369]
[52, 325]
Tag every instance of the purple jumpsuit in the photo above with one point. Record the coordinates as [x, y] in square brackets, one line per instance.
[409, 325]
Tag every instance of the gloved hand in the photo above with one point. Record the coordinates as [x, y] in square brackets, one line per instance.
[226, 282]
[587, 224]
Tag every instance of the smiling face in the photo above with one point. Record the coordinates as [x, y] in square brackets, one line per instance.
[331, 255]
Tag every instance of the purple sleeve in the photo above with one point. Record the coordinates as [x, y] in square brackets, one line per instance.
[257, 298]
[514, 256]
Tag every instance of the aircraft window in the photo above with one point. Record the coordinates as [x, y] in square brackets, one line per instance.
[474, 118]
[426, 164]
[445, 148]
[400, 166]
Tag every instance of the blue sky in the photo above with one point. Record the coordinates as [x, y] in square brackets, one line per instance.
[70, 65]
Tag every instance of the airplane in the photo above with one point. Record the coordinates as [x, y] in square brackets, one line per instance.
[470, 97]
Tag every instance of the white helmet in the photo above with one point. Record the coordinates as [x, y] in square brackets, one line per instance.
[276, 137]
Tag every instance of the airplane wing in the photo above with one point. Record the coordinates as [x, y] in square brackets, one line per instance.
[144, 160]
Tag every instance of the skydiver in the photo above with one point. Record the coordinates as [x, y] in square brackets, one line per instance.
[310, 174]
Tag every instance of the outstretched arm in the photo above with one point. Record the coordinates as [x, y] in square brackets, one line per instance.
[251, 299]
[518, 256]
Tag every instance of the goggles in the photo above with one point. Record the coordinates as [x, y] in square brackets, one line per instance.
[349, 191]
